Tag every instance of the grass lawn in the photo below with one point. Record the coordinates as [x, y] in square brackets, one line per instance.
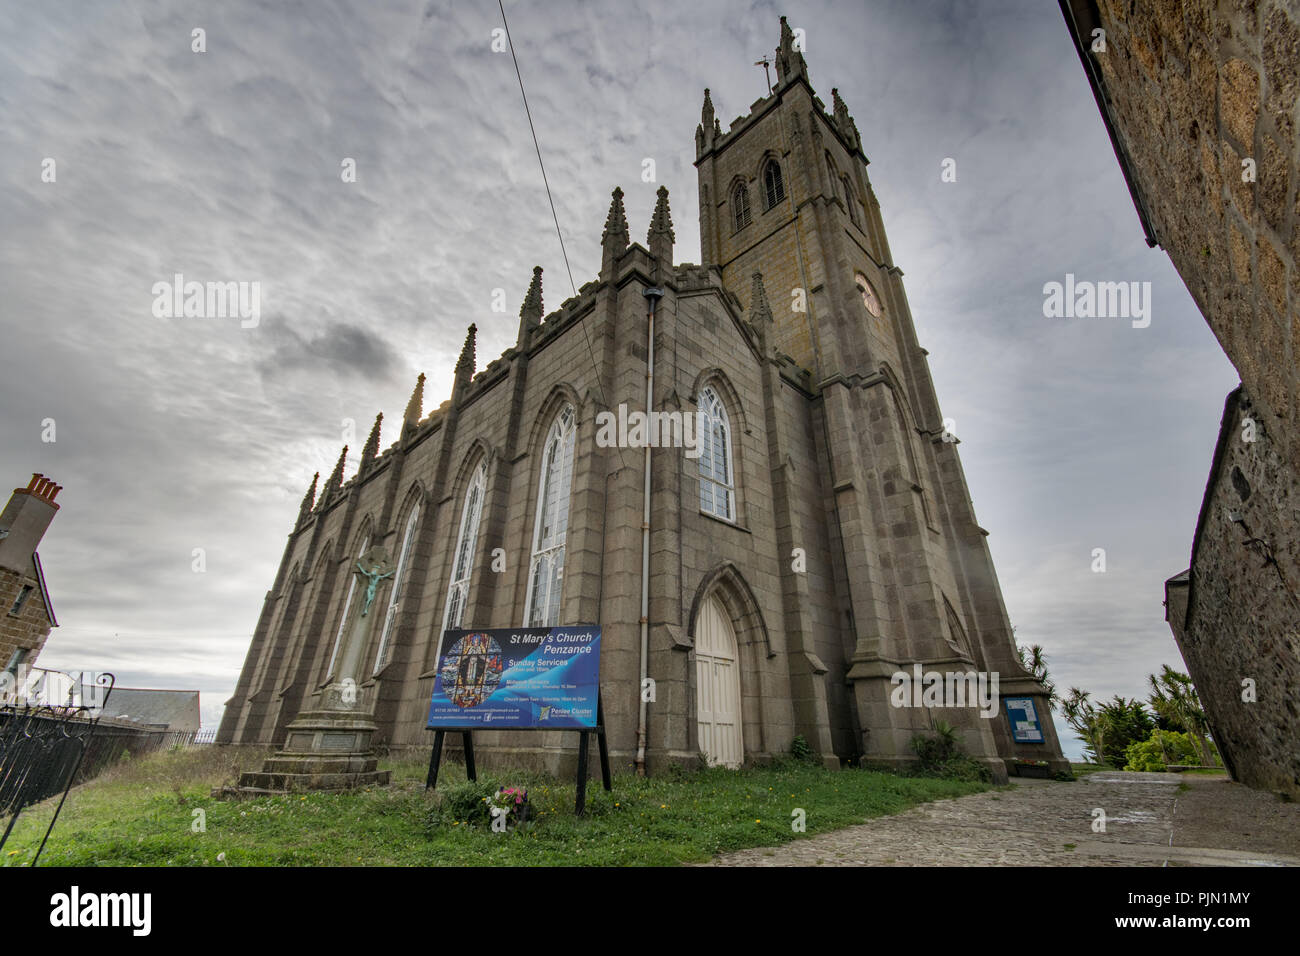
[142, 813]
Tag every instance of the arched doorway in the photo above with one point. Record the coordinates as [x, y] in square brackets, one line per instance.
[717, 686]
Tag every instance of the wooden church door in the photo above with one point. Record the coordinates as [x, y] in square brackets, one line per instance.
[717, 687]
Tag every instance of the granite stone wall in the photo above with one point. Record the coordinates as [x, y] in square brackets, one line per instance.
[1203, 96]
[1235, 612]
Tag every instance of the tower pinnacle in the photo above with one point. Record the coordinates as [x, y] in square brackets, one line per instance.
[414, 407]
[335, 480]
[709, 129]
[466, 363]
[371, 450]
[530, 313]
[308, 501]
[843, 121]
[789, 60]
[660, 238]
[614, 240]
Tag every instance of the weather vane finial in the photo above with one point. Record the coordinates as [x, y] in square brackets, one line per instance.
[766, 64]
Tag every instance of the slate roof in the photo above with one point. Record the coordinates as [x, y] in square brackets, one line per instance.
[170, 709]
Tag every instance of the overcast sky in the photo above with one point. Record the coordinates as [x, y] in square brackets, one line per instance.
[175, 434]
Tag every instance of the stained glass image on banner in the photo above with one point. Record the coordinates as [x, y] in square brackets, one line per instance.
[471, 670]
[517, 677]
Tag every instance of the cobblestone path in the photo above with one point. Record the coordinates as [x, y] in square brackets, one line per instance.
[1150, 821]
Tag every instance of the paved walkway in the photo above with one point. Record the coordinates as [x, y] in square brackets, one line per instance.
[1150, 821]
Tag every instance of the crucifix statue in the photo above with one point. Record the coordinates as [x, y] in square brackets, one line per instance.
[371, 568]
[374, 576]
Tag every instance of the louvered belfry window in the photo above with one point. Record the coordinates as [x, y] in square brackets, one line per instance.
[773, 186]
[740, 206]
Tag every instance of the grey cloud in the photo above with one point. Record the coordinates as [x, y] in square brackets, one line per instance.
[337, 349]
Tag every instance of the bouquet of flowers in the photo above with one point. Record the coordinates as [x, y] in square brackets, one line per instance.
[511, 802]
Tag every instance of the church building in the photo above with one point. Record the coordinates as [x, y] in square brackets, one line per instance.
[769, 583]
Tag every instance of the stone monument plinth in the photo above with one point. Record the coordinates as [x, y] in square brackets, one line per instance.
[328, 746]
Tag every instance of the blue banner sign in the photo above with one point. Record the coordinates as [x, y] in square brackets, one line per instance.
[537, 677]
[1023, 714]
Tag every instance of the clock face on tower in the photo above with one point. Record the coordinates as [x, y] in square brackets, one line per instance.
[868, 293]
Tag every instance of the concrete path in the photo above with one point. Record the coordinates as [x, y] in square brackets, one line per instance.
[1150, 821]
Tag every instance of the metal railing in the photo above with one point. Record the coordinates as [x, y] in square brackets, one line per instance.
[46, 747]
[43, 748]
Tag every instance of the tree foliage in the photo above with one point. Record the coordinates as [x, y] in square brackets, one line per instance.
[1106, 729]
[1034, 660]
[1109, 729]
[1174, 699]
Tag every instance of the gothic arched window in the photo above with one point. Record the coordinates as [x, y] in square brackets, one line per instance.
[399, 586]
[773, 186]
[463, 556]
[851, 201]
[832, 172]
[347, 606]
[546, 570]
[717, 477]
[740, 206]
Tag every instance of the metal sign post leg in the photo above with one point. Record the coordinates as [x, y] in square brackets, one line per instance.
[435, 758]
[581, 802]
[601, 746]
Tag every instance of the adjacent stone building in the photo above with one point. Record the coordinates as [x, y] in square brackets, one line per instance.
[823, 540]
[1234, 612]
[176, 711]
[24, 599]
[1200, 100]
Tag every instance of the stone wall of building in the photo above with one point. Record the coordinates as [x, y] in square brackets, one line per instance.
[1203, 96]
[1235, 612]
[28, 629]
[1201, 100]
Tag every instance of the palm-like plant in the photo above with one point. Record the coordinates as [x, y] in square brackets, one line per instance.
[1174, 698]
[1082, 716]
[1034, 660]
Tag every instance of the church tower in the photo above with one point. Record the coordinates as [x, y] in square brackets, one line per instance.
[784, 193]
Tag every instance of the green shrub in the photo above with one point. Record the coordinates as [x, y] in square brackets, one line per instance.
[936, 750]
[799, 748]
[465, 802]
[1162, 748]
[941, 755]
